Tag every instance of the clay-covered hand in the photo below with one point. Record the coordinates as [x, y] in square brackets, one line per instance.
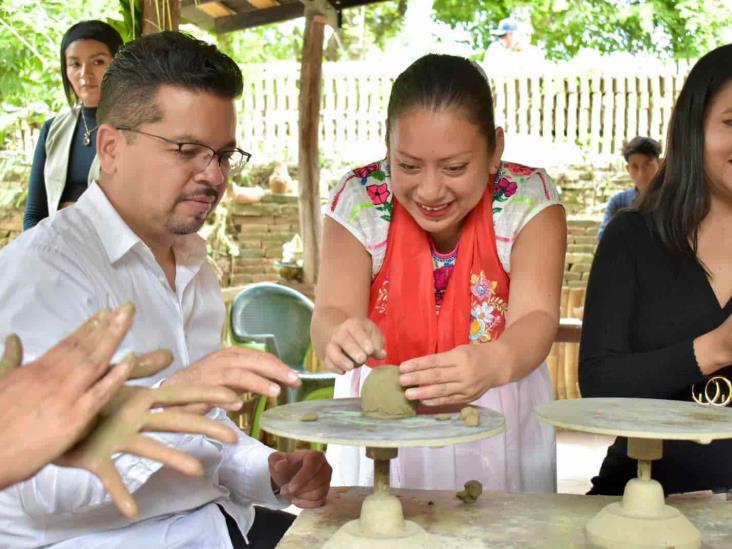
[131, 412]
[239, 369]
[352, 342]
[458, 376]
[46, 405]
[303, 477]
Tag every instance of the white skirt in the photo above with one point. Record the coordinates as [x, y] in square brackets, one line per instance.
[522, 459]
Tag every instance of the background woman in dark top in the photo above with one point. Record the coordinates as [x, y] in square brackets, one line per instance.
[65, 153]
[657, 316]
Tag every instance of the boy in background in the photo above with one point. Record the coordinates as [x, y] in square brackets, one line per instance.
[642, 157]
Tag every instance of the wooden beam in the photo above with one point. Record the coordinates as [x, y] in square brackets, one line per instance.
[215, 9]
[263, 3]
[256, 18]
[322, 8]
[309, 153]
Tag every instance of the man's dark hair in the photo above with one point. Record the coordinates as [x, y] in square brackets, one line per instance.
[642, 145]
[440, 82]
[86, 30]
[166, 58]
[678, 198]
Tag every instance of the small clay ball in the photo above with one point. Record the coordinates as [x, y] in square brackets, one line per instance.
[382, 397]
[470, 416]
[310, 415]
[443, 417]
[473, 490]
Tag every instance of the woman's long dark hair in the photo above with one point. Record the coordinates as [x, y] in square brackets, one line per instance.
[678, 198]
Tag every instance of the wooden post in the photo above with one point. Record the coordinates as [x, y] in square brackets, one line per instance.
[309, 157]
[160, 15]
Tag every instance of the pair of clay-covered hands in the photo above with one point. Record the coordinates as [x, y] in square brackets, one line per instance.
[70, 408]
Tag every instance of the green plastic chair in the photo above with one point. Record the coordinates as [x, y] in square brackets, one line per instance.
[279, 318]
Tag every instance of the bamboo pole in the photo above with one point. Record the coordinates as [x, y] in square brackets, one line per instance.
[160, 15]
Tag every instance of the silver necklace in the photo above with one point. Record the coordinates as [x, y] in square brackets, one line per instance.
[87, 131]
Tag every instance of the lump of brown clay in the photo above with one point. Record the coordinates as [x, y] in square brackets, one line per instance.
[311, 415]
[382, 397]
[473, 490]
[470, 416]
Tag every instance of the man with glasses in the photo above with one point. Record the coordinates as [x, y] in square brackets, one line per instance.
[166, 144]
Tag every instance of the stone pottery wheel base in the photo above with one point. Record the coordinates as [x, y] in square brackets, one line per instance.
[381, 524]
[642, 519]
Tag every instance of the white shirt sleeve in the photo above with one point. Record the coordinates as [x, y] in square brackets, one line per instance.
[51, 296]
[245, 470]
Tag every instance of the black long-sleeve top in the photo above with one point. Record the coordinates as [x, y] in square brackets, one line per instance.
[644, 308]
[80, 160]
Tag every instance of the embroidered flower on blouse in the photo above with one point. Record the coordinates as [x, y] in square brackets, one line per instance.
[378, 194]
[365, 171]
[517, 169]
[505, 188]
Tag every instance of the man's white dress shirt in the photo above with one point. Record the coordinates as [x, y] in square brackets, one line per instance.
[54, 277]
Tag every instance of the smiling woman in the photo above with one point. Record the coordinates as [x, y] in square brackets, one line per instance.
[446, 261]
[65, 156]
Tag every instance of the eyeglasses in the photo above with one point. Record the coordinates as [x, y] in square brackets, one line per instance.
[231, 160]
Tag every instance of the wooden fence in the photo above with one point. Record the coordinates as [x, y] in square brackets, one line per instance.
[573, 117]
[586, 116]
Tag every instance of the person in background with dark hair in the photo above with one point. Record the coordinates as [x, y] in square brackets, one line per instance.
[418, 253]
[65, 161]
[659, 298]
[642, 160]
[166, 146]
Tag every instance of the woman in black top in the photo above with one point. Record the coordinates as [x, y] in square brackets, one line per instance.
[658, 310]
[67, 142]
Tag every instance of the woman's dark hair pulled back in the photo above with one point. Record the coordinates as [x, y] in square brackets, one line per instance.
[442, 82]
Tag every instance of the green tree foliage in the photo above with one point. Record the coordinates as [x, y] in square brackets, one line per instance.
[364, 28]
[30, 35]
[680, 29]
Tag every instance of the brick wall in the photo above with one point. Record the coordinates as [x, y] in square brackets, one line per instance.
[259, 230]
[581, 244]
[11, 225]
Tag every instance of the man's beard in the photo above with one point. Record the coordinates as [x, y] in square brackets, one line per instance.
[189, 226]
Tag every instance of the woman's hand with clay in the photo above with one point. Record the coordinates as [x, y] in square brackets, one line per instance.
[458, 376]
[352, 343]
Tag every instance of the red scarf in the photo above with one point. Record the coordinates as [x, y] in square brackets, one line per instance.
[402, 302]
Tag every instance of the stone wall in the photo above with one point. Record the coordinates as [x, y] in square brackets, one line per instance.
[12, 205]
[258, 230]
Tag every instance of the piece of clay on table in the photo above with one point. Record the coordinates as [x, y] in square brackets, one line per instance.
[382, 396]
[443, 417]
[473, 490]
[470, 416]
[311, 415]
